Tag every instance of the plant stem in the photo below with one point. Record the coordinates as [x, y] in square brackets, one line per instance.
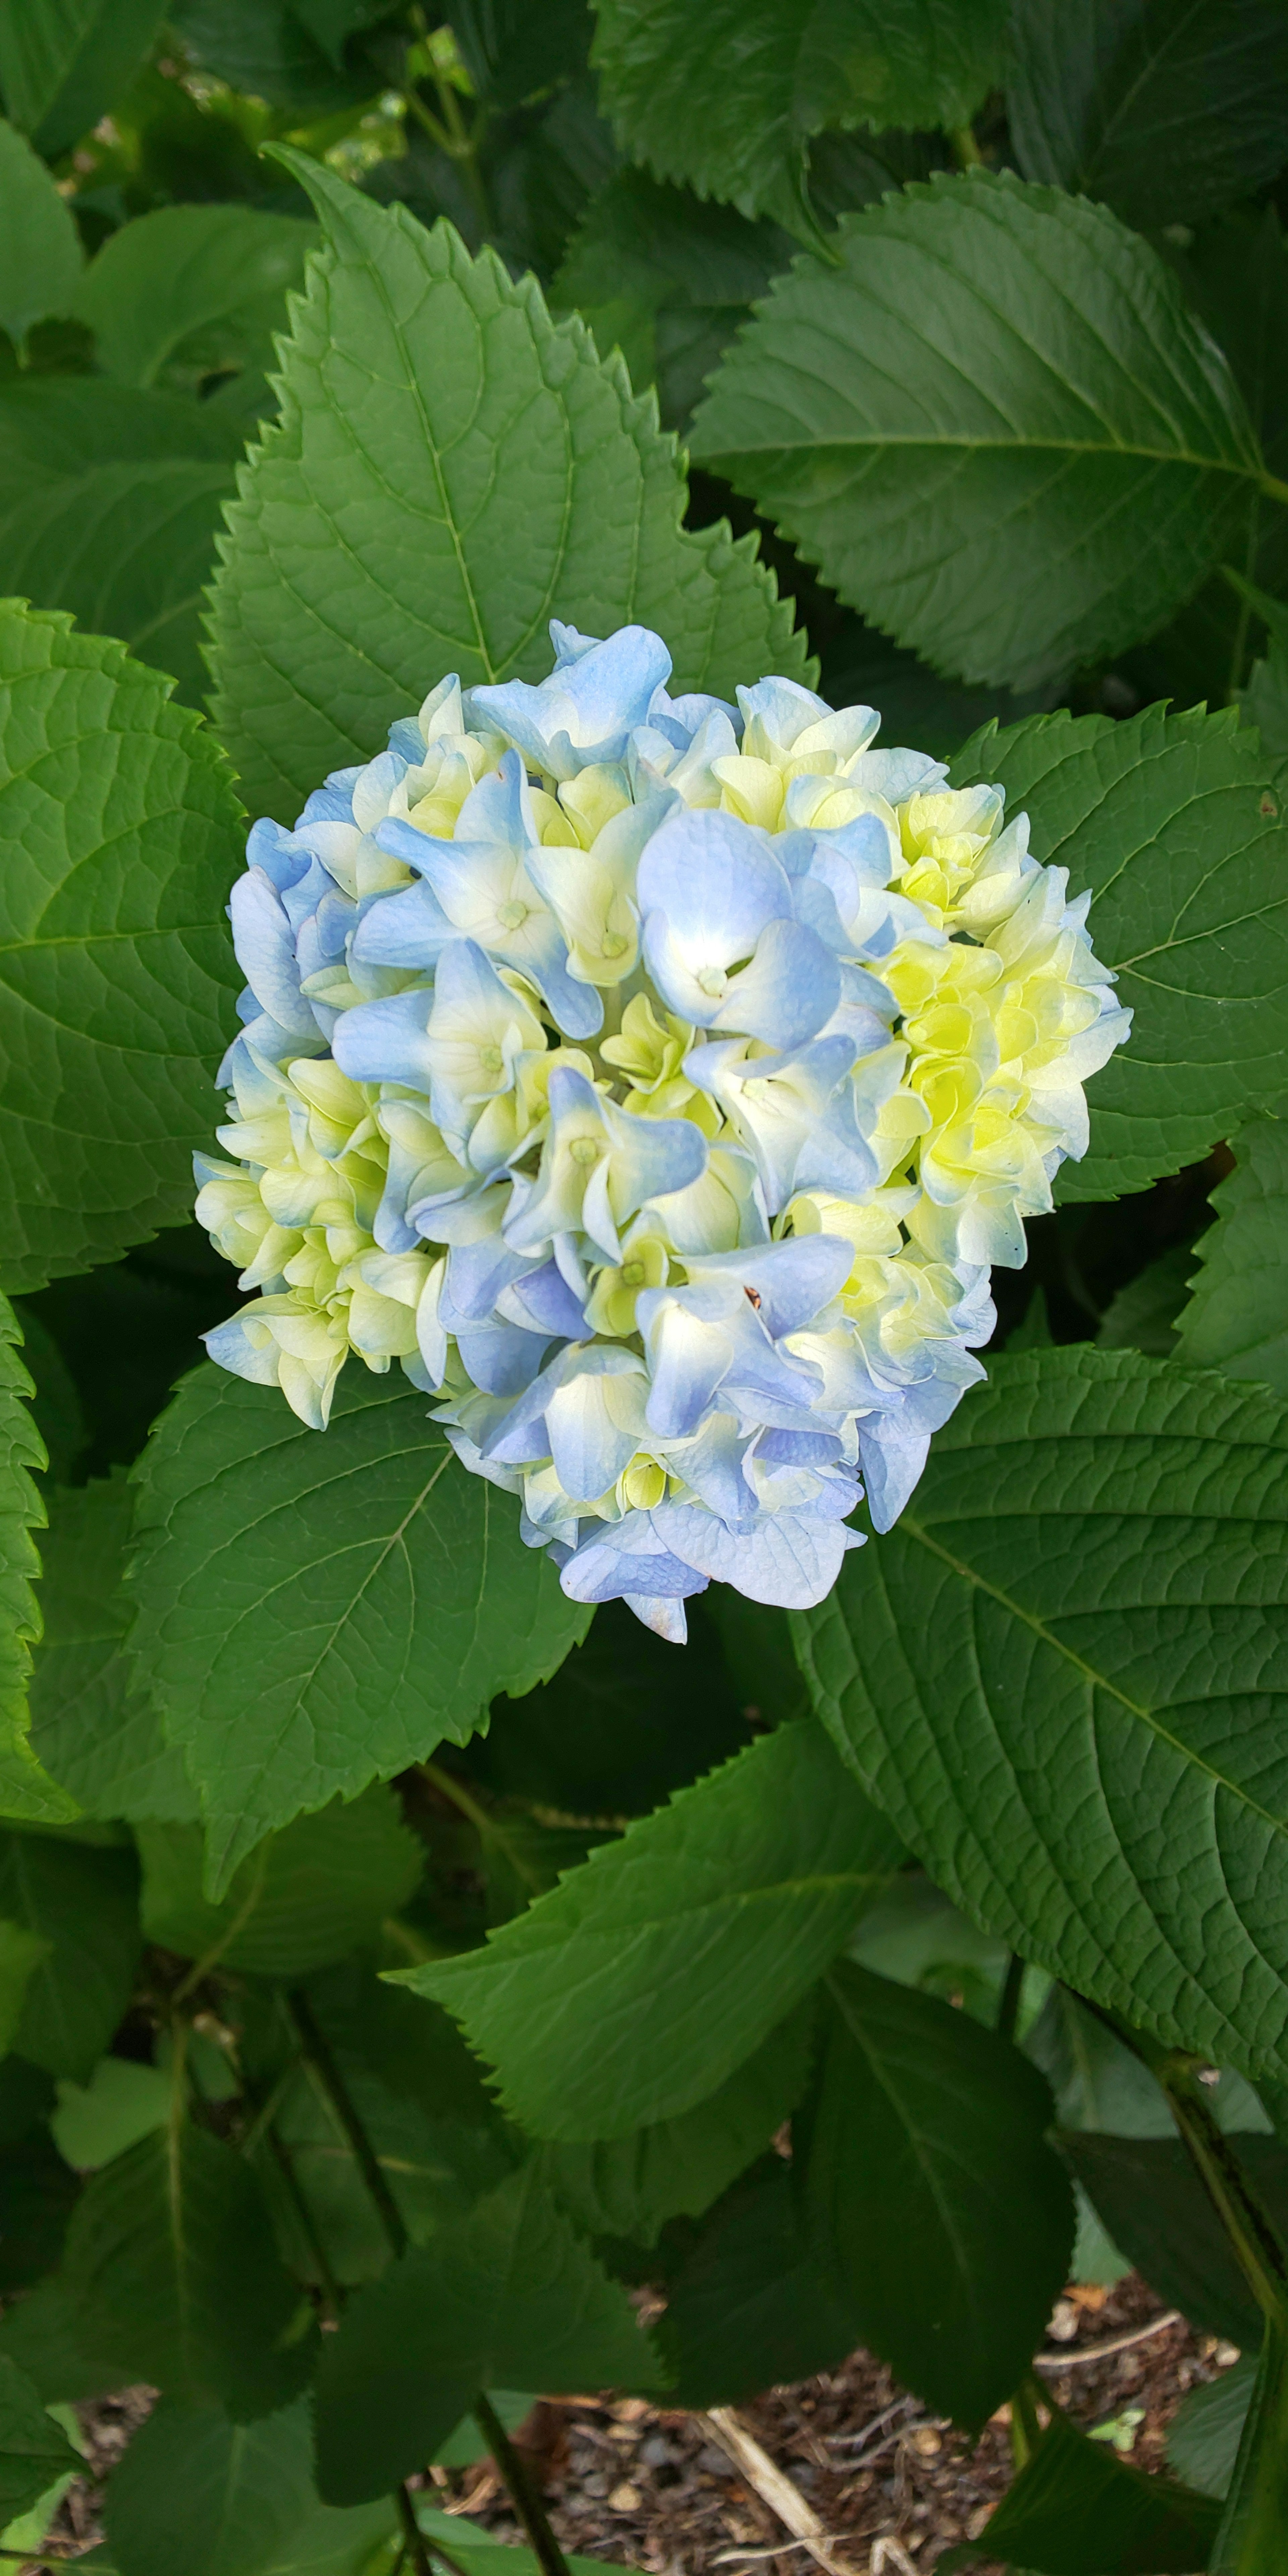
[1026, 2432]
[317, 2054]
[966, 151]
[1251, 2538]
[1008, 2010]
[415, 2553]
[485, 1826]
[523, 2488]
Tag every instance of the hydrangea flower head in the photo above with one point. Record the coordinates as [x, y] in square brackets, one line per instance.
[656, 1081]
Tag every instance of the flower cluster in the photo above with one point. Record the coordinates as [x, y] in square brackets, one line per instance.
[656, 1081]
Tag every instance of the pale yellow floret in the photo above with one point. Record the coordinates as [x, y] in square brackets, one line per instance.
[646, 1263]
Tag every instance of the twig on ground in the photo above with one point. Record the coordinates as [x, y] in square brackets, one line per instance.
[1077, 2353]
[773, 2487]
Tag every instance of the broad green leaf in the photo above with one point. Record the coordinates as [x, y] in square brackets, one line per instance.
[319, 1609]
[1144, 1315]
[1172, 823]
[668, 278]
[83, 1904]
[916, 1936]
[1205, 2432]
[20, 1951]
[478, 2546]
[270, 48]
[991, 422]
[196, 2491]
[510, 50]
[190, 292]
[931, 2193]
[56, 1404]
[751, 2306]
[170, 2259]
[25, 1790]
[1152, 2202]
[1237, 1316]
[304, 1897]
[1168, 114]
[116, 975]
[512, 2299]
[94, 1731]
[34, 2450]
[1063, 1676]
[109, 504]
[727, 98]
[623, 1721]
[49, 2337]
[40, 252]
[1076, 2507]
[122, 2102]
[629, 2187]
[451, 469]
[636, 1987]
[63, 62]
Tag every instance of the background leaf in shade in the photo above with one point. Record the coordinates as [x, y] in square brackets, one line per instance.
[512, 2298]
[63, 62]
[729, 100]
[983, 383]
[25, 1789]
[1168, 114]
[188, 294]
[84, 1905]
[94, 1731]
[301, 1899]
[1172, 822]
[34, 2450]
[316, 1610]
[632, 1990]
[1075, 2506]
[196, 2490]
[930, 2192]
[1047, 1696]
[1236, 1318]
[110, 500]
[40, 253]
[118, 974]
[381, 535]
[170, 2258]
[750, 2306]
[1154, 2207]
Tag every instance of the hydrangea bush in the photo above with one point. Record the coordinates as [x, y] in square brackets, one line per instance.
[657, 1081]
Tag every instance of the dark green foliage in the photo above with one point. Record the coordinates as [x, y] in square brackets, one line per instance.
[1076, 2507]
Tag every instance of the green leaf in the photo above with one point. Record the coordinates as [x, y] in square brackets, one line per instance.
[109, 504]
[197, 2491]
[510, 50]
[56, 1404]
[82, 1903]
[34, 2450]
[1076, 2507]
[991, 422]
[1062, 1674]
[170, 2260]
[1237, 1316]
[1168, 114]
[1152, 2202]
[190, 292]
[319, 1609]
[728, 98]
[270, 48]
[668, 278]
[450, 471]
[24, 1788]
[40, 252]
[116, 974]
[636, 1987]
[1205, 2432]
[1144, 1315]
[20, 1952]
[629, 2187]
[623, 1720]
[93, 1730]
[62, 62]
[47, 2335]
[931, 2193]
[513, 2299]
[37, 2195]
[751, 2307]
[304, 1897]
[1172, 823]
[122, 2102]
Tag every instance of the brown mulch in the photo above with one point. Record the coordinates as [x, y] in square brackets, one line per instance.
[648, 2487]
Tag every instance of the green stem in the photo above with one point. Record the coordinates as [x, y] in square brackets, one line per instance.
[415, 2553]
[523, 2488]
[331, 2290]
[1274, 490]
[1008, 2010]
[966, 151]
[485, 1826]
[316, 2052]
[1250, 2541]
[1026, 2432]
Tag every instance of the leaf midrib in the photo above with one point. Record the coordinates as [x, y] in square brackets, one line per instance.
[1096, 1680]
[1244, 472]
